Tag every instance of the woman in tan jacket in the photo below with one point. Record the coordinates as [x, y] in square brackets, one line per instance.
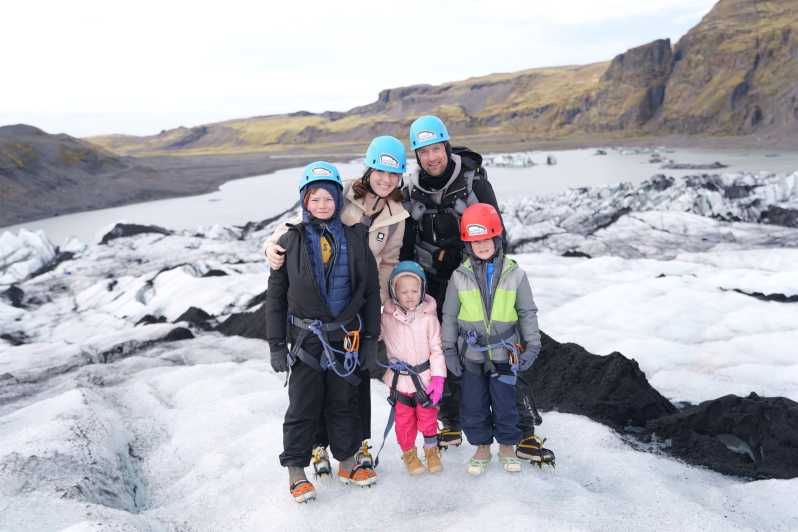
[374, 200]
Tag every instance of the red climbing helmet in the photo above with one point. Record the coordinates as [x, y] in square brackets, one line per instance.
[480, 221]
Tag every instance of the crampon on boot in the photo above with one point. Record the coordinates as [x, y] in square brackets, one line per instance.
[531, 448]
[363, 457]
[360, 476]
[302, 490]
[449, 436]
[321, 462]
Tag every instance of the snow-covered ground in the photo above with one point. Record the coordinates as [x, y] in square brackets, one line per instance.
[105, 425]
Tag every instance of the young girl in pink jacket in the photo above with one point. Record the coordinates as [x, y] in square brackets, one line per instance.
[412, 336]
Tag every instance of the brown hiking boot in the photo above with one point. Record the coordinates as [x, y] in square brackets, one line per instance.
[433, 458]
[412, 463]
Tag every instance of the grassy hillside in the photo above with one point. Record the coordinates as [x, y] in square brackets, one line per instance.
[733, 74]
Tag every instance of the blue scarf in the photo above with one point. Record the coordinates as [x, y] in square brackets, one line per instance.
[333, 280]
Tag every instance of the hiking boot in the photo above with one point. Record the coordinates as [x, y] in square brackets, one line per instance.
[363, 457]
[433, 459]
[531, 448]
[360, 476]
[302, 490]
[449, 436]
[321, 462]
[412, 463]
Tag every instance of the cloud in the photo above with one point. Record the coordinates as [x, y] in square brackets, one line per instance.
[255, 58]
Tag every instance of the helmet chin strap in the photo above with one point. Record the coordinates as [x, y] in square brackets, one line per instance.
[405, 309]
[497, 246]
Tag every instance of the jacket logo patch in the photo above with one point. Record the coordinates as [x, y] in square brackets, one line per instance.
[380, 237]
[323, 172]
[425, 135]
[387, 160]
[476, 230]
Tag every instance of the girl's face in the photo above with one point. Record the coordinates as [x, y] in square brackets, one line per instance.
[408, 291]
[383, 183]
[321, 205]
[484, 249]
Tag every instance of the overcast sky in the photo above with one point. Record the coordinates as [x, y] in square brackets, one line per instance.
[90, 67]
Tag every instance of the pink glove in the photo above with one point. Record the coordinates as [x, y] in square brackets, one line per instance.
[435, 389]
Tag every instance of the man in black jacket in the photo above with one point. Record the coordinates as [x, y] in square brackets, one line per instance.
[447, 181]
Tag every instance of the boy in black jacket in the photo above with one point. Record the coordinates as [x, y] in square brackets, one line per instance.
[325, 303]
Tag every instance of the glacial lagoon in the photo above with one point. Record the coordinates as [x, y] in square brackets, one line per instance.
[259, 197]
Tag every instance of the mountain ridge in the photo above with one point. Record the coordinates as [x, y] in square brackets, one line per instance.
[732, 74]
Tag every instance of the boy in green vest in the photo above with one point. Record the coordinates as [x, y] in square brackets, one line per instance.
[490, 332]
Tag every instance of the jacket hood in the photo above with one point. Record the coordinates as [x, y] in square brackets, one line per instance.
[471, 159]
[334, 191]
[427, 306]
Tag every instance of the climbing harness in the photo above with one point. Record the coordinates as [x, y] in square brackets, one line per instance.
[485, 344]
[420, 398]
[330, 356]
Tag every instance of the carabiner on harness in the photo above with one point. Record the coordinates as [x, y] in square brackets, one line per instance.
[350, 353]
[472, 340]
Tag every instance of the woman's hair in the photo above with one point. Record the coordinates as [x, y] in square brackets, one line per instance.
[362, 187]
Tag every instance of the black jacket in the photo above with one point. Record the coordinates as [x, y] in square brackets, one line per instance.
[293, 290]
[451, 258]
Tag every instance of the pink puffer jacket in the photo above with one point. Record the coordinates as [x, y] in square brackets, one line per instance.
[414, 338]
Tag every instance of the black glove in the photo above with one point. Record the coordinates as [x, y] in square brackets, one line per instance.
[382, 360]
[368, 354]
[279, 354]
[448, 259]
[453, 363]
[526, 359]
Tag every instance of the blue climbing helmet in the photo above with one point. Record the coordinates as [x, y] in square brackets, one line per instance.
[387, 154]
[406, 267]
[320, 171]
[426, 130]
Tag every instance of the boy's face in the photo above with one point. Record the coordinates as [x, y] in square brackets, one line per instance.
[321, 204]
[484, 249]
[408, 291]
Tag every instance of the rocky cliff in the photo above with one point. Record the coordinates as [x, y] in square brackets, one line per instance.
[732, 74]
[736, 72]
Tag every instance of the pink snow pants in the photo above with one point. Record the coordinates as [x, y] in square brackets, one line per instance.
[410, 421]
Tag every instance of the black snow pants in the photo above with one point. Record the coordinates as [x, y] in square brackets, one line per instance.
[311, 392]
[364, 410]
